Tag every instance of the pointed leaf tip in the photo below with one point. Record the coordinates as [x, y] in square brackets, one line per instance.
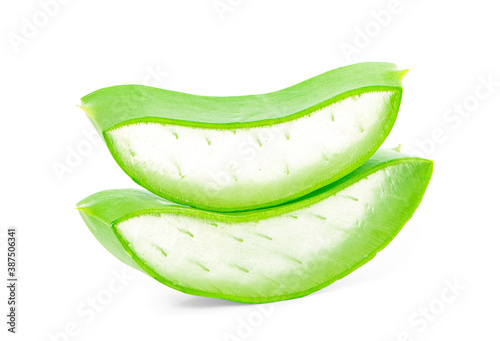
[403, 73]
[397, 149]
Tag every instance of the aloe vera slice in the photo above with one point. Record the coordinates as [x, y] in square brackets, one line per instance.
[264, 255]
[247, 152]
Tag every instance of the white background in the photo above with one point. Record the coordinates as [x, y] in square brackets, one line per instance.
[256, 46]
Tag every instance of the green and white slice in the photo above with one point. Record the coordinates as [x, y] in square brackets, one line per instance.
[264, 255]
[247, 152]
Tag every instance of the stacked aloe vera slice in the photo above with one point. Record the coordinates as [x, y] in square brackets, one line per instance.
[255, 198]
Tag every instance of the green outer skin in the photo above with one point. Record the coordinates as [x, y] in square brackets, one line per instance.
[115, 106]
[124, 104]
[104, 210]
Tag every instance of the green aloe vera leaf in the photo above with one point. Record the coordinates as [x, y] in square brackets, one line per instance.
[264, 255]
[247, 152]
